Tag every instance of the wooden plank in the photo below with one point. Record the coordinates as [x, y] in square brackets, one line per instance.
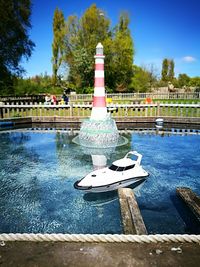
[131, 217]
[191, 199]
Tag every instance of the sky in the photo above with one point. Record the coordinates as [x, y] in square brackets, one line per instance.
[159, 28]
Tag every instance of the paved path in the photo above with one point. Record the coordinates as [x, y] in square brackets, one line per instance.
[58, 254]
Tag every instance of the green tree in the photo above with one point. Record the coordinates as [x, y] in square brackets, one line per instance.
[14, 39]
[165, 67]
[195, 82]
[58, 43]
[123, 51]
[167, 70]
[183, 80]
[81, 40]
[94, 28]
[171, 70]
[81, 37]
[140, 81]
[153, 75]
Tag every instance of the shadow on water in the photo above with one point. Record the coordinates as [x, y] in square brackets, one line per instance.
[109, 196]
[137, 184]
[192, 225]
[101, 198]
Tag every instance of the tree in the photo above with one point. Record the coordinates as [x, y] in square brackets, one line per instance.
[81, 37]
[171, 70]
[195, 81]
[153, 75]
[14, 39]
[58, 42]
[94, 28]
[165, 67]
[81, 40]
[183, 80]
[122, 59]
[140, 81]
[167, 70]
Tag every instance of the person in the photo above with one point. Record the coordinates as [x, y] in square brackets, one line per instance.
[65, 98]
[62, 102]
[53, 100]
[47, 99]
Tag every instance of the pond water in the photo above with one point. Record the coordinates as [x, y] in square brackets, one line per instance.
[38, 170]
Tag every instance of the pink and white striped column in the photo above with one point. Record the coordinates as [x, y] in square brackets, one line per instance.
[99, 110]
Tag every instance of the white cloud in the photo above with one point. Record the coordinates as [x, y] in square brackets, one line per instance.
[189, 59]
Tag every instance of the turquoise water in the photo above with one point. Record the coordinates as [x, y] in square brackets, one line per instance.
[38, 170]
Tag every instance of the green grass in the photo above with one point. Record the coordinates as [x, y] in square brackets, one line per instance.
[178, 101]
[142, 101]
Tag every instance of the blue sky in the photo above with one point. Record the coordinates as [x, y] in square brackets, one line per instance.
[160, 29]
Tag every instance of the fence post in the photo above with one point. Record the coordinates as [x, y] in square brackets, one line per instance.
[71, 109]
[158, 109]
[1, 112]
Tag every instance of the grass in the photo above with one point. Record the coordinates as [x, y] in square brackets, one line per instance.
[142, 101]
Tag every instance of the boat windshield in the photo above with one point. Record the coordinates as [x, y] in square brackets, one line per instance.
[120, 169]
[114, 167]
[129, 167]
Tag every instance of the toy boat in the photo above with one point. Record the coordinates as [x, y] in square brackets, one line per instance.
[121, 173]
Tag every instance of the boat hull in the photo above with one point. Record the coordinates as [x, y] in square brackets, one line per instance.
[109, 187]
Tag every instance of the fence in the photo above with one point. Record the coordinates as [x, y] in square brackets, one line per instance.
[84, 110]
[138, 96]
[114, 97]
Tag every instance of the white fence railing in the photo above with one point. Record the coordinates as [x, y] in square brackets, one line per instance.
[114, 97]
[138, 96]
[117, 110]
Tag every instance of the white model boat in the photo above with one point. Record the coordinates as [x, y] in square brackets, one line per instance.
[121, 173]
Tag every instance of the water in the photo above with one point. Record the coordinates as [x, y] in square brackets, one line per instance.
[38, 171]
[173, 161]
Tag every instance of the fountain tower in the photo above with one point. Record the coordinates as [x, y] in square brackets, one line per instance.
[100, 130]
[99, 110]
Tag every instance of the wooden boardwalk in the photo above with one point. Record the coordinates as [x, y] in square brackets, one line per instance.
[191, 199]
[131, 217]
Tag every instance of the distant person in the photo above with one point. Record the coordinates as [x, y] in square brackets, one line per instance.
[47, 99]
[62, 102]
[53, 100]
[65, 98]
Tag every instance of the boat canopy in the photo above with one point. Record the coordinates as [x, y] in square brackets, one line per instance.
[121, 169]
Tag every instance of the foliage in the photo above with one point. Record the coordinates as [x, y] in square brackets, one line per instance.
[58, 43]
[153, 75]
[122, 59]
[141, 79]
[195, 82]
[171, 70]
[14, 42]
[183, 80]
[165, 66]
[167, 70]
[38, 84]
[81, 37]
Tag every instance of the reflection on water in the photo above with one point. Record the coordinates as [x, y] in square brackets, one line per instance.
[121, 140]
[38, 170]
[97, 199]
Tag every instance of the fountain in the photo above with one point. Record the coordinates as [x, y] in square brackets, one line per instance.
[100, 130]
